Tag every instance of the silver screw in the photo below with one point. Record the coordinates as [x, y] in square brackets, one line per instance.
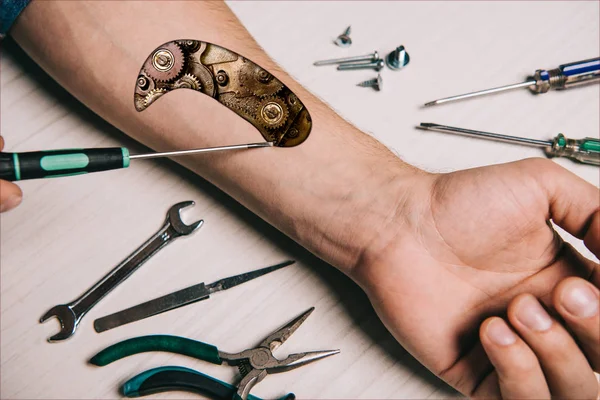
[344, 39]
[367, 57]
[397, 59]
[376, 83]
[376, 65]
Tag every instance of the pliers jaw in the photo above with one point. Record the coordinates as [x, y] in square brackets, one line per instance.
[256, 363]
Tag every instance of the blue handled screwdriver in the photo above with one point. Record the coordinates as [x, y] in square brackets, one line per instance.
[68, 162]
[565, 76]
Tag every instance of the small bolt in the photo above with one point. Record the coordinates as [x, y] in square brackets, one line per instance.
[367, 57]
[344, 39]
[272, 112]
[142, 82]
[397, 59]
[376, 83]
[292, 99]
[376, 65]
[263, 76]
[163, 60]
[293, 133]
[222, 78]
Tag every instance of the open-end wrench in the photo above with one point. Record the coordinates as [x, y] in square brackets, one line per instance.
[69, 315]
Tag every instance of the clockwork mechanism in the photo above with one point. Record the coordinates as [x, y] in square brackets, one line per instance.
[236, 82]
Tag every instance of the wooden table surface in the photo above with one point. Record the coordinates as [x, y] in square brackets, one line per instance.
[70, 232]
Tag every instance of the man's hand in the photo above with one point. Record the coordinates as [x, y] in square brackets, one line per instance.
[479, 245]
[10, 194]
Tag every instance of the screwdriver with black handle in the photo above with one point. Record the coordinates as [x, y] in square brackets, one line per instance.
[586, 150]
[69, 162]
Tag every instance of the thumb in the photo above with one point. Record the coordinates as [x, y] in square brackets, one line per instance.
[10, 194]
[591, 237]
[574, 205]
[592, 242]
[573, 202]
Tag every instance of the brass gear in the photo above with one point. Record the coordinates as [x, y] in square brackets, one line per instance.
[191, 46]
[153, 95]
[139, 102]
[272, 112]
[203, 75]
[246, 105]
[187, 81]
[166, 63]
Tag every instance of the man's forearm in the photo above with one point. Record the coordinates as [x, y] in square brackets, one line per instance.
[335, 193]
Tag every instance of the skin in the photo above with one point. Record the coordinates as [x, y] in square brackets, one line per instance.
[437, 254]
[10, 194]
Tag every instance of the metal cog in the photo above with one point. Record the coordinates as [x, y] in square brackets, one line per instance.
[187, 81]
[247, 105]
[272, 112]
[166, 63]
[153, 95]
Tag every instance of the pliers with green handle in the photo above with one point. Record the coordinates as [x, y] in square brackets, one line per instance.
[254, 364]
[161, 379]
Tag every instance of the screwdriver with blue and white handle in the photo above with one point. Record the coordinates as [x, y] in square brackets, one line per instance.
[565, 76]
[69, 162]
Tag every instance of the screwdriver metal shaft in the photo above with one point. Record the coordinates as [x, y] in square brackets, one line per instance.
[490, 135]
[564, 77]
[204, 150]
[481, 93]
[586, 151]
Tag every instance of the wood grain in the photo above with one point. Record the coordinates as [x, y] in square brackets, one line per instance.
[70, 232]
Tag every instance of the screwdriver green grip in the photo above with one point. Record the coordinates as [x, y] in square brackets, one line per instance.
[586, 151]
[56, 163]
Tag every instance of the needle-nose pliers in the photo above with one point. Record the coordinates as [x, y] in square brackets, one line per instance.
[254, 364]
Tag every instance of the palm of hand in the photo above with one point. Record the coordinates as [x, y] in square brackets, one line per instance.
[481, 239]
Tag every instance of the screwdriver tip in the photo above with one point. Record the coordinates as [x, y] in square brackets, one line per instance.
[261, 144]
[431, 103]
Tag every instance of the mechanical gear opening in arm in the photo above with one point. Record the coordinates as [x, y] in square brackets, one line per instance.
[234, 81]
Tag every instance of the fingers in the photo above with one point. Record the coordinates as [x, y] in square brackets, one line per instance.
[535, 356]
[572, 200]
[520, 375]
[578, 303]
[10, 194]
[567, 371]
[592, 239]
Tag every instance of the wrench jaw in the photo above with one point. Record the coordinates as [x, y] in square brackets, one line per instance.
[69, 315]
[67, 319]
[174, 219]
